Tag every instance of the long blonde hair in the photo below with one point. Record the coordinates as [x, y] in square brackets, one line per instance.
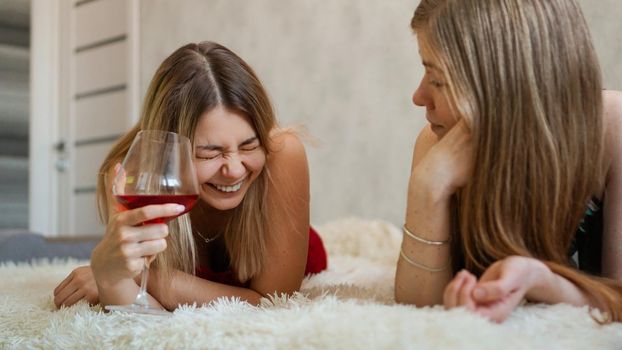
[193, 80]
[525, 77]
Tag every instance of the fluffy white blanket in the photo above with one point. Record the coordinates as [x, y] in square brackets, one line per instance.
[350, 306]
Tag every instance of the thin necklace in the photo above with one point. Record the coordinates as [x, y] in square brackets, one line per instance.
[209, 239]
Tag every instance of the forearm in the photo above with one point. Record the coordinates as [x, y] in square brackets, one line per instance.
[427, 216]
[551, 288]
[184, 288]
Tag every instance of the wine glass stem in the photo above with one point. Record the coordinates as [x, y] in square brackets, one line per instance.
[141, 298]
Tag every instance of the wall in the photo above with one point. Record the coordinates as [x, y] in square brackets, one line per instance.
[603, 17]
[345, 69]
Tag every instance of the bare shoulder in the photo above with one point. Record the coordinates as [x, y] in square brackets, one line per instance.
[287, 161]
[612, 105]
[612, 122]
[286, 147]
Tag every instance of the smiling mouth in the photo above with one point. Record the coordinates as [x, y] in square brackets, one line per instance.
[228, 189]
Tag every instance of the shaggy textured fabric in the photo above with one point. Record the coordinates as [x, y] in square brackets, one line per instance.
[349, 306]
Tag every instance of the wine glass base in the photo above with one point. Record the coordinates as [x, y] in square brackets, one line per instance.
[138, 309]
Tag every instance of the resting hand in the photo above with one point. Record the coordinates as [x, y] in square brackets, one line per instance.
[458, 291]
[499, 291]
[121, 252]
[79, 285]
[447, 166]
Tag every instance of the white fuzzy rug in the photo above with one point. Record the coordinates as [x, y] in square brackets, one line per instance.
[350, 306]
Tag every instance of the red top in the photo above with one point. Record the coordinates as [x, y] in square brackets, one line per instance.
[316, 262]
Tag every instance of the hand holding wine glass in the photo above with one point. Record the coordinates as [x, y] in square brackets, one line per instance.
[155, 183]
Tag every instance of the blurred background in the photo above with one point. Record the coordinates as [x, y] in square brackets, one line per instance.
[73, 73]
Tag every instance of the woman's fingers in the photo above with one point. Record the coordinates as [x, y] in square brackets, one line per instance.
[79, 282]
[64, 293]
[465, 294]
[150, 212]
[499, 310]
[486, 292]
[63, 284]
[72, 298]
[150, 259]
[142, 233]
[143, 250]
[495, 285]
[149, 248]
[450, 296]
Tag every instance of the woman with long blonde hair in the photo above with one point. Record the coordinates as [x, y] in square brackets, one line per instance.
[248, 236]
[520, 168]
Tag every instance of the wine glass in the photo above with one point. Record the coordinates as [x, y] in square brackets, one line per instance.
[157, 169]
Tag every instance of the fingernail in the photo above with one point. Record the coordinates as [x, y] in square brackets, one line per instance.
[479, 293]
[180, 208]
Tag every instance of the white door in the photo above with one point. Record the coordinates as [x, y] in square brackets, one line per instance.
[92, 52]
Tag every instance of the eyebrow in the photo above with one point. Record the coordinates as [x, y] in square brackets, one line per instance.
[209, 147]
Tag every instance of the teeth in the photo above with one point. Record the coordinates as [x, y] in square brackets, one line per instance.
[233, 188]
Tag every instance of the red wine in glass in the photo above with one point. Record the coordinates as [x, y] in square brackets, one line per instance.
[133, 201]
[157, 169]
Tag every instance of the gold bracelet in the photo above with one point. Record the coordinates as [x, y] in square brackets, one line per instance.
[421, 239]
[421, 266]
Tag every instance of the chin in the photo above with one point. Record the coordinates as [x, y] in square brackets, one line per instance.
[224, 205]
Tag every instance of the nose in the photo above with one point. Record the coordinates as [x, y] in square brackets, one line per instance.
[233, 167]
[421, 96]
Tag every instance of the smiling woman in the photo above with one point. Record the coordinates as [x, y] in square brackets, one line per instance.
[248, 236]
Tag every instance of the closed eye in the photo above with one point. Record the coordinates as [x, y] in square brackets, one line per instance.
[209, 156]
[250, 144]
[249, 148]
[432, 81]
[436, 83]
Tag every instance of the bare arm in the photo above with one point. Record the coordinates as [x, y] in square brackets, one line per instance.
[433, 181]
[612, 234]
[287, 243]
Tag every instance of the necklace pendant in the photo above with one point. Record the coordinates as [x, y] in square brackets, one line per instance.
[207, 239]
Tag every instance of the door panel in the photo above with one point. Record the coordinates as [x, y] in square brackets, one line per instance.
[88, 159]
[101, 68]
[87, 221]
[101, 116]
[100, 21]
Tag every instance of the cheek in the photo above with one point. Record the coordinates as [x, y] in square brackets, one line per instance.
[449, 122]
[255, 162]
[444, 112]
[205, 171]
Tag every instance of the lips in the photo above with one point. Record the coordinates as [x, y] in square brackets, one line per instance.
[228, 188]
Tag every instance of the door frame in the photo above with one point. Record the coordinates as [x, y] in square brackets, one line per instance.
[45, 32]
